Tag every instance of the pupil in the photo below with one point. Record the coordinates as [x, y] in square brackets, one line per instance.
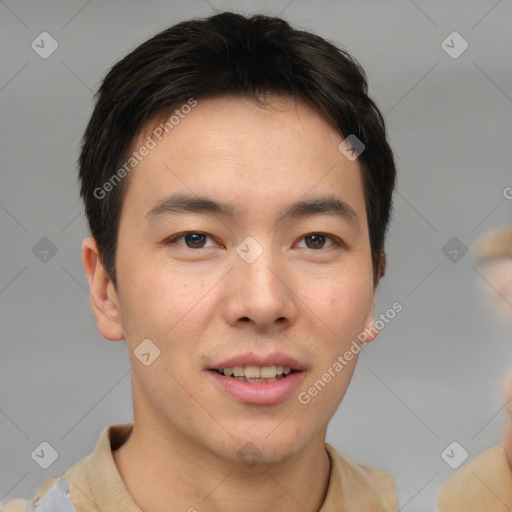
[194, 237]
[316, 237]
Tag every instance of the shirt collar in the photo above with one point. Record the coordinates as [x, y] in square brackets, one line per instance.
[111, 495]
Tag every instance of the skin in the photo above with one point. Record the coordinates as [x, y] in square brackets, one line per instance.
[498, 291]
[203, 305]
[498, 287]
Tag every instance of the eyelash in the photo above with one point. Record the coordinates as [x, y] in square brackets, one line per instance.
[174, 238]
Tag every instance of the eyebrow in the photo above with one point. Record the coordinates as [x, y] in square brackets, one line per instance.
[186, 203]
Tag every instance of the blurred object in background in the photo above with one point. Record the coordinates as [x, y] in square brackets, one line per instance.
[493, 254]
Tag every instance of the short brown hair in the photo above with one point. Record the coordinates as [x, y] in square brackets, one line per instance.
[228, 53]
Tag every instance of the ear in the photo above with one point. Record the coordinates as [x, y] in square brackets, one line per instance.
[104, 299]
[382, 266]
[370, 329]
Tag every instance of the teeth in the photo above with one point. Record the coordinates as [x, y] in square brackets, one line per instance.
[252, 372]
[268, 372]
[238, 371]
[255, 372]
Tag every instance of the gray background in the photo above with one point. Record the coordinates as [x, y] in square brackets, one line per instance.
[432, 376]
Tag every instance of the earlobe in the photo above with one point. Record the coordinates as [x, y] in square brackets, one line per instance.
[104, 299]
[370, 330]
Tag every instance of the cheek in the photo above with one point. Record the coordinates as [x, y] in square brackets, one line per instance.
[346, 306]
[324, 391]
[156, 296]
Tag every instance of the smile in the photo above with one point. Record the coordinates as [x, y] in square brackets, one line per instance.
[257, 390]
[254, 374]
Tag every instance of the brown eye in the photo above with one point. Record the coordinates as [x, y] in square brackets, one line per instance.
[193, 239]
[317, 241]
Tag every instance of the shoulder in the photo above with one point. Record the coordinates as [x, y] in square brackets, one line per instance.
[484, 483]
[72, 492]
[65, 493]
[16, 505]
[360, 485]
[22, 505]
[52, 496]
[357, 481]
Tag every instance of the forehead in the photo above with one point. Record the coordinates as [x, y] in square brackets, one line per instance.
[243, 152]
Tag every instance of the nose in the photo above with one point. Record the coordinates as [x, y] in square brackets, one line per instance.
[260, 291]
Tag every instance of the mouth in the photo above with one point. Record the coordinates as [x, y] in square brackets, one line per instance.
[258, 380]
[256, 374]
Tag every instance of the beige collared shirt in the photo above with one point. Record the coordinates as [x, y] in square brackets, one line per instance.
[94, 484]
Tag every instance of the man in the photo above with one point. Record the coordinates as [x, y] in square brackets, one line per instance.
[237, 183]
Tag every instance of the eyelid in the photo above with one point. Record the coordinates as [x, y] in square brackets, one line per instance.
[337, 242]
[178, 236]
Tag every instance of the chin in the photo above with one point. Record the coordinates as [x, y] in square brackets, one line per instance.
[266, 448]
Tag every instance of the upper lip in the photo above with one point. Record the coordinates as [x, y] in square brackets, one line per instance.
[276, 359]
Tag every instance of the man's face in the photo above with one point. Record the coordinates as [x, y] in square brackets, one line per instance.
[251, 288]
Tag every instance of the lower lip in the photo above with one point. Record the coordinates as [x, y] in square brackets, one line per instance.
[258, 393]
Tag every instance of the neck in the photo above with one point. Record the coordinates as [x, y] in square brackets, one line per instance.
[160, 466]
